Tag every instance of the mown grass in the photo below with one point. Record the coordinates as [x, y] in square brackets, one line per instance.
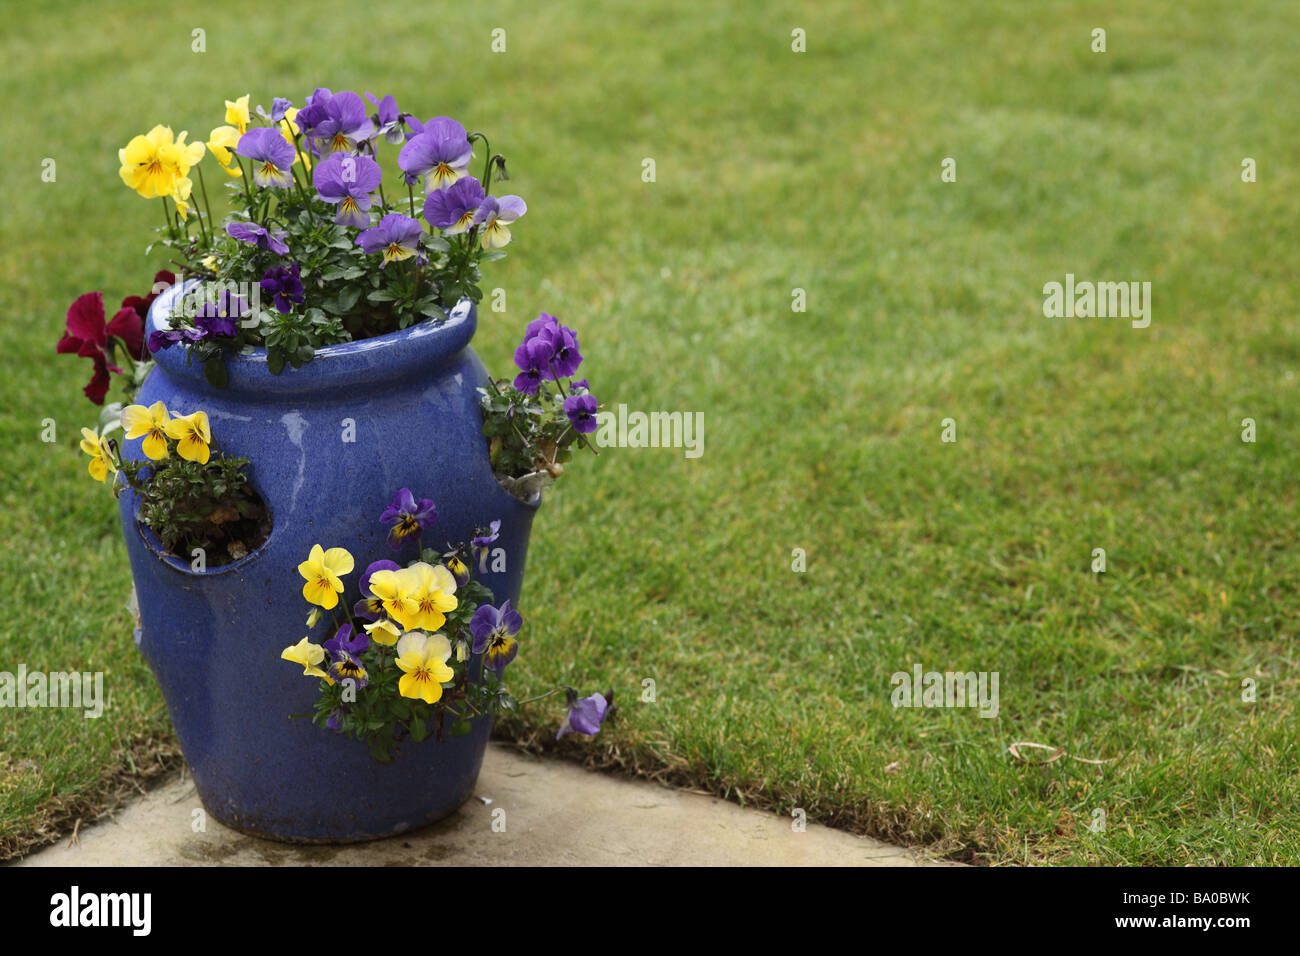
[777, 171]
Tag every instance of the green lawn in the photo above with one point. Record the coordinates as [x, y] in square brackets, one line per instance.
[775, 171]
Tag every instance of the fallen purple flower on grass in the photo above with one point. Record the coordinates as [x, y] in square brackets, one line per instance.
[584, 716]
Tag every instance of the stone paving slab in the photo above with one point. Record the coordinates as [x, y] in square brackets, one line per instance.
[556, 813]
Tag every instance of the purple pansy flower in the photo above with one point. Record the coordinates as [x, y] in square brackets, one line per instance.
[549, 351]
[335, 720]
[284, 284]
[252, 233]
[485, 540]
[407, 517]
[218, 317]
[534, 360]
[452, 209]
[440, 152]
[494, 631]
[270, 154]
[388, 118]
[371, 607]
[455, 563]
[564, 342]
[584, 716]
[345, 653]
[166, 338]
[347, 182]
[279, 106]
[567, 358]
[396, 236]
[334, 122]
[481, 543]
[313, 110]
[495, 216]
[581, 410]
[343, 640]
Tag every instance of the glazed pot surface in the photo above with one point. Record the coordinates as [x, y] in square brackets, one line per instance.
[329, 445]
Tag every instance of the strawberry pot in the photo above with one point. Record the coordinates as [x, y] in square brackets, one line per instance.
[327, 443]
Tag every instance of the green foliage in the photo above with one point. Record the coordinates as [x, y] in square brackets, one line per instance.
[191, 505]
[347, 294]
[530, 438]
[377, 713]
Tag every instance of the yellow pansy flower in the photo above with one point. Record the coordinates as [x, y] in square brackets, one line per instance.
[187, 154]
[394, 590]
[432, 589]
[322, 571]
[309, 655]
[150, 424]
[383, 632]
[181, 196]
[237, 113]
[101, 458]
[423, 660]
[153, 163]
[221, 144]
[193, 437]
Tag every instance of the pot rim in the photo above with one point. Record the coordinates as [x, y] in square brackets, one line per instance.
[417, 349]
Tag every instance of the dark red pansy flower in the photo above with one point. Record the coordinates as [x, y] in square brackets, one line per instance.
[86, 335]
[162, 281]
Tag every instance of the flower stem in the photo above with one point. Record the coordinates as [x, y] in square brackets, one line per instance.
[487, 165]
[248, 186]
[582, 439]
[530, 700]
[204, 187]
[167, 218]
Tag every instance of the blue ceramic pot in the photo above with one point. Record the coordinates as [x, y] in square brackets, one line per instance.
[408, 404]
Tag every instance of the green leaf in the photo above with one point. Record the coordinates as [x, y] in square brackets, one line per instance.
[419, 730]
[348, 298]
[214, 370]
